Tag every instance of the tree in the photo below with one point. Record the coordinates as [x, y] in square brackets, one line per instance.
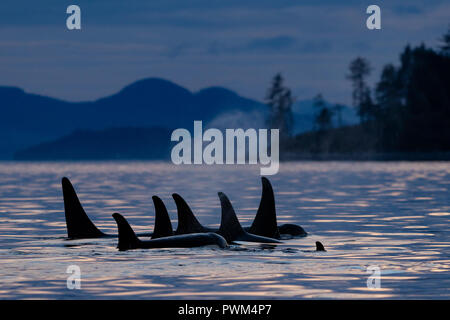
[280, 100]
[324, 114]
[389, 100]
[337, 109]
[359, 71]
[445, 46]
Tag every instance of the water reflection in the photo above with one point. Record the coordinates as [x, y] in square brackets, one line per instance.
[394, 215]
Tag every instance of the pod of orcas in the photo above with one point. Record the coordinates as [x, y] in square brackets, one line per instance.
[189, 233]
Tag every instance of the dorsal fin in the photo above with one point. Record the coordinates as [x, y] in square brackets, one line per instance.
[127, 237]
[187, 222]
[230, 228]
[319, 246]
[163, 226]
[265, 222]
[78, 223]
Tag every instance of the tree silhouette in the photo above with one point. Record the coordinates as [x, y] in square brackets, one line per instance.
[324, 114]
[280, 100]
[359, 71]
[337, 109]
[445, 46]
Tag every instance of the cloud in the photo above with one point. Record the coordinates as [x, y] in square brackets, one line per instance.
[272, 43]
[407, 9]
[238, 44]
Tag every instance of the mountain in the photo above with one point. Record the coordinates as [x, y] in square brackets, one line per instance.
[114, 143]
[32, 124]
[29, 119]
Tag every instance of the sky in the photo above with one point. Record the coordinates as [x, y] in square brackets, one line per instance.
[239, 45]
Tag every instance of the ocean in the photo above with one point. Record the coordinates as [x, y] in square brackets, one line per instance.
[387, 216]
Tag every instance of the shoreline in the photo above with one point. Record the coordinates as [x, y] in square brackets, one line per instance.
[287, 157]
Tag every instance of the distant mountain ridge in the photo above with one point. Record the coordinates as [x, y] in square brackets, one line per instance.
[109, 144]
[29, 119]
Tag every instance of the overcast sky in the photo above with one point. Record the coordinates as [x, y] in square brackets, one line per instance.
[199, 43]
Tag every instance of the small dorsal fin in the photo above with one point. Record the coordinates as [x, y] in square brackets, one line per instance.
[319, 246]
[78, 223]
[187, 222]
[265, 222]
[163, 226]
[127, 237]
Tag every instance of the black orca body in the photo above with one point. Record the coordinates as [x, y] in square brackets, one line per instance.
[230, 228]
[128, 239]
[79, 226]
[292, 230]
[163, 226]
[264, 224]
[187, 222]
[319, 246]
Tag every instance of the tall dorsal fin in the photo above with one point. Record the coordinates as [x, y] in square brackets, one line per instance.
[265, 222]
[163, 226]
[187, 222]
[127, 237]
[230, 228]
[78, 223]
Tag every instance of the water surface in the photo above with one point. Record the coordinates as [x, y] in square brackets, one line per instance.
[394, 215]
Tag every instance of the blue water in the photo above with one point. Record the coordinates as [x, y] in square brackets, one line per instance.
[393, 215]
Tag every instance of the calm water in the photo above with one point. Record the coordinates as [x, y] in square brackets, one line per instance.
[394, 215]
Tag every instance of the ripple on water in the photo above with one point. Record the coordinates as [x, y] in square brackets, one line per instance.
[389, 214]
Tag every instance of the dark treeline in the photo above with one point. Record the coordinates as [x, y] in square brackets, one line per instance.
[407, 111]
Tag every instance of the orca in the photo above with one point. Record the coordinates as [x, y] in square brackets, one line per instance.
[319, 246]
[79, 226]
[187, 222]
[128, 239]
[231, 229]
[264, 224]
[292, 230]
[163, 226]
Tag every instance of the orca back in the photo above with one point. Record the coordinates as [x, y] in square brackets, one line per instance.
[230, 227]
[127, 237]
[78, 223]
[187, 222]
[163, 226]
[265, 222]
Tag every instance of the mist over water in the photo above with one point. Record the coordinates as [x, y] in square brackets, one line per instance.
[394, 215]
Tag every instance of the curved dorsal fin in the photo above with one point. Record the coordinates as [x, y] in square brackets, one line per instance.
[187, 222]
[265, 222]
[163, 226]
[230, 227]
[319, 246]
[78, 223]
[127, 237]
